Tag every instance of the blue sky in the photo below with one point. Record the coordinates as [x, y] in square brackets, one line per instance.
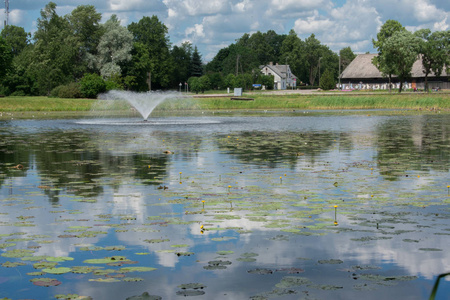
[214, 24]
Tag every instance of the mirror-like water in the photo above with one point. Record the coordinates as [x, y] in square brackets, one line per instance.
[305, 206]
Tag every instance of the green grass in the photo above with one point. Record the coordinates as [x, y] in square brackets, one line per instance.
[262, 101]
[296, 101]
[22, 104]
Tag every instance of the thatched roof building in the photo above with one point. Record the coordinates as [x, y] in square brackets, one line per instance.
[362, 73]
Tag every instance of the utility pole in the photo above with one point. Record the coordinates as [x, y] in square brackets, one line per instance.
[237, 65]
[339, 78]
[6, 13]
[319, 70]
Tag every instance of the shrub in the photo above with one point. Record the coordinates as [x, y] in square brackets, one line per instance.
[327, 81]
[72, 90]
[91, 85]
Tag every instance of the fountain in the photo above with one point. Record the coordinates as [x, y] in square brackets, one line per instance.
[144, 103]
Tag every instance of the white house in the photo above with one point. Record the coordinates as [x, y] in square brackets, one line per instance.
[283, 77]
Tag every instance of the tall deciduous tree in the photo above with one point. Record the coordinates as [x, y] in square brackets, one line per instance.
[151, 53]
[16, 37]
[54, 51]
[435, 52]
[114, 48]
[84, 22]
[292, 50]
[312, 56]
[387, 30]
[400, 51]
[181, 56]
[5, 57]
[346, 57]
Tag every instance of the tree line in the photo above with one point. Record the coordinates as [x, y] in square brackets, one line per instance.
[398, 50]
[77, 56]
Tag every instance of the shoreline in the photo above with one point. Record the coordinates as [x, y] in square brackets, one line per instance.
[279, 101]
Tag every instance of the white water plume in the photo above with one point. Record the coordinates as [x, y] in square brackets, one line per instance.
[144, 103]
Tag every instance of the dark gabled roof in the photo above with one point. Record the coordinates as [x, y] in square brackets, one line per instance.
[280, 70]
[362, 67]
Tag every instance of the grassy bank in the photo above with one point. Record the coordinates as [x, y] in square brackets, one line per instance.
[261, 101]
[23, 104]
[298, 101]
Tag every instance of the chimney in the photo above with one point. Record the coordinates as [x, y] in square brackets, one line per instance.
[271, 63]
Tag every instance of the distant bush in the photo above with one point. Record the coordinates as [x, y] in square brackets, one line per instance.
[91, 85]
[308, 87]
[72, 90]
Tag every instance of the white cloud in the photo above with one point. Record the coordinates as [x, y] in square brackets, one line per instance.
[289, 5]
[424, 11]
[16, 16]
[197, 7]
[443, 25]
[196, 31]
[312, 25]
[211, 23]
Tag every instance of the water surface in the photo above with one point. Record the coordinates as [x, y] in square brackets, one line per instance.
[292, 206]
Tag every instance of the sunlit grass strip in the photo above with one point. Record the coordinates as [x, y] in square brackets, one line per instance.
[283, 102]
[261, 102]
[21, 104]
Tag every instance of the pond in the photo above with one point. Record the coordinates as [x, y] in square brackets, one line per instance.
[294, 205]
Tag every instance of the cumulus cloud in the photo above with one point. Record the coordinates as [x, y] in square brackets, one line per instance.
[312, 25]
[211, 23]
[198, 7]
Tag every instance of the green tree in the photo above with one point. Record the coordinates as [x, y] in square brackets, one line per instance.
[229, 81]
[91, 85]
[346, 57]
[196, 64]
[19, 80]
[312, 56]
[216, 80]
[327, 81]
[434, 50]
[293, 49]
[54, 51]
[84, 24]
[181, 57]
[400, 52]
[114, 48]
[381, 62]
[5, 57]
[151, 53]
[16, 37]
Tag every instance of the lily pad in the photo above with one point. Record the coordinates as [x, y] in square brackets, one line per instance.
[260, 271]
[72, 297]
[9, 264]
[224, 252]
[194, 286]
[145, 296]
[46, 282]
[330, 261]
[106, 260]
[137, 269]
[61, 270]
[292, 281]
[59, 259]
